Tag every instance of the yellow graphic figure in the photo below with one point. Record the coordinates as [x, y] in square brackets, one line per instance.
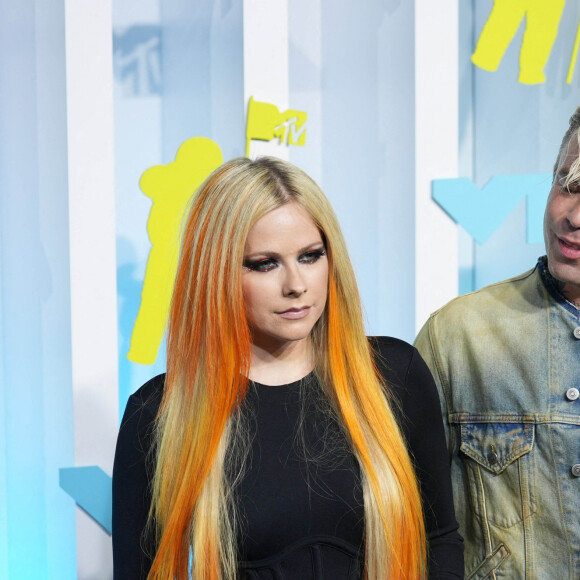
[265, 122]
[542, 20]
[170, 187]
[574, 55]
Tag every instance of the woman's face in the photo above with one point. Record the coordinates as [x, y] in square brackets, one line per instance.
[285, 277]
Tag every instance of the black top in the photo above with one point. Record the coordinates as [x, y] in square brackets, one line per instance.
[300, 499]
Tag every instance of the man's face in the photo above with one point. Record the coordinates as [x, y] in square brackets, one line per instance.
[562, 225]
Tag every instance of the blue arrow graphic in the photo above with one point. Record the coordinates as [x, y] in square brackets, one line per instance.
[481, 211]
[92, 489]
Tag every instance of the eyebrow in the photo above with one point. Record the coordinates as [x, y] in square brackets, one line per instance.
[269, 254]
[564, 173]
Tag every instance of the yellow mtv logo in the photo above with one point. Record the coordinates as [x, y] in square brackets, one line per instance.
[542, 18]
[265, 122]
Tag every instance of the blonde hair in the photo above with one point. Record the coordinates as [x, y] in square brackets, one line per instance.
[572, 132]
[208, 359]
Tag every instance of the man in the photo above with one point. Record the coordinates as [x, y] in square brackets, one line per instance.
[506, 360]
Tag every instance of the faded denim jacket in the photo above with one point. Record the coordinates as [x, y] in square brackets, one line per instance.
[506, 360]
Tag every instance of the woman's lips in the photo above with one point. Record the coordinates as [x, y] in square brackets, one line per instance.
[295, 313]
[569, 250]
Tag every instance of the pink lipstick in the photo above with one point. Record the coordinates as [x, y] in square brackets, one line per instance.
[295, 313]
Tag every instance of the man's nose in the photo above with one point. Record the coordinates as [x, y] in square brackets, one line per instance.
[574, 213]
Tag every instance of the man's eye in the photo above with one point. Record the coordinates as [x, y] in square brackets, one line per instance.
[311, 257]
[260, 265]
[571, 187]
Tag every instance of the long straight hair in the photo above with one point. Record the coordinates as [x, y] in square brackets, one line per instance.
[208, 361]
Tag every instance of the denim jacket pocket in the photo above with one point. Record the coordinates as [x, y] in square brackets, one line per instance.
[487, 569]
[500, 470]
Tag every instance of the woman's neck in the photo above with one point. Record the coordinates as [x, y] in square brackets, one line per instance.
[281, 365]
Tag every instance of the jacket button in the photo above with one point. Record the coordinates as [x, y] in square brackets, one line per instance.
[577, 332]
[576, 470]
[493, 459]
[572, 394]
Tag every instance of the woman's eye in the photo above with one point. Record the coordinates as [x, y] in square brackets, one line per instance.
[260, 265]
[311, 257]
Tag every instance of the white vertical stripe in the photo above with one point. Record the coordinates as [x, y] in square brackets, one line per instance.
[89, 70]
[266, 62]
[3, 491]
[436, 151]
[305, 40]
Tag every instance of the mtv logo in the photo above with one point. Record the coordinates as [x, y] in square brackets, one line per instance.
[265, 122]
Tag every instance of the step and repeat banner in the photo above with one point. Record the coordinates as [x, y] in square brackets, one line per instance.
[432, 127]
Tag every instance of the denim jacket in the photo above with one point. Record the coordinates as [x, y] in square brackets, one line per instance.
[506, 360]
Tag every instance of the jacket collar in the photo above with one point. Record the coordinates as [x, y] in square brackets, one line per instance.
[551, 286]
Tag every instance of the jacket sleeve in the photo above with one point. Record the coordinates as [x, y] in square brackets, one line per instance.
[133, 548]
[423, 343]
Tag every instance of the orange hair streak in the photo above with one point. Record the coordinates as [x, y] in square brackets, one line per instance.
[208, 349]
[360, 399]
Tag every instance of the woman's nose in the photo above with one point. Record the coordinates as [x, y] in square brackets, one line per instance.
[294, 283]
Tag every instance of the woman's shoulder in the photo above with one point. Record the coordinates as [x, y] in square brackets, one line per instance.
[151, 389]
[393, 357]
[146, 399]
[403, 369]
[389, 345]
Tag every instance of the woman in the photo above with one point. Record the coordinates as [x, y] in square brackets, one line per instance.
[275, 445]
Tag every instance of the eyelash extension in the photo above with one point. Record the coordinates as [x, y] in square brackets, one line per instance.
[262, 265]
[267, 264]
[312, 256]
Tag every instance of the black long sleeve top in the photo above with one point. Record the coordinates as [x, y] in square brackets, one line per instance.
[300, 499]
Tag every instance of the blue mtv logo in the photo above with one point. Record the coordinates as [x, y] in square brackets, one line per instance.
[481, 211]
